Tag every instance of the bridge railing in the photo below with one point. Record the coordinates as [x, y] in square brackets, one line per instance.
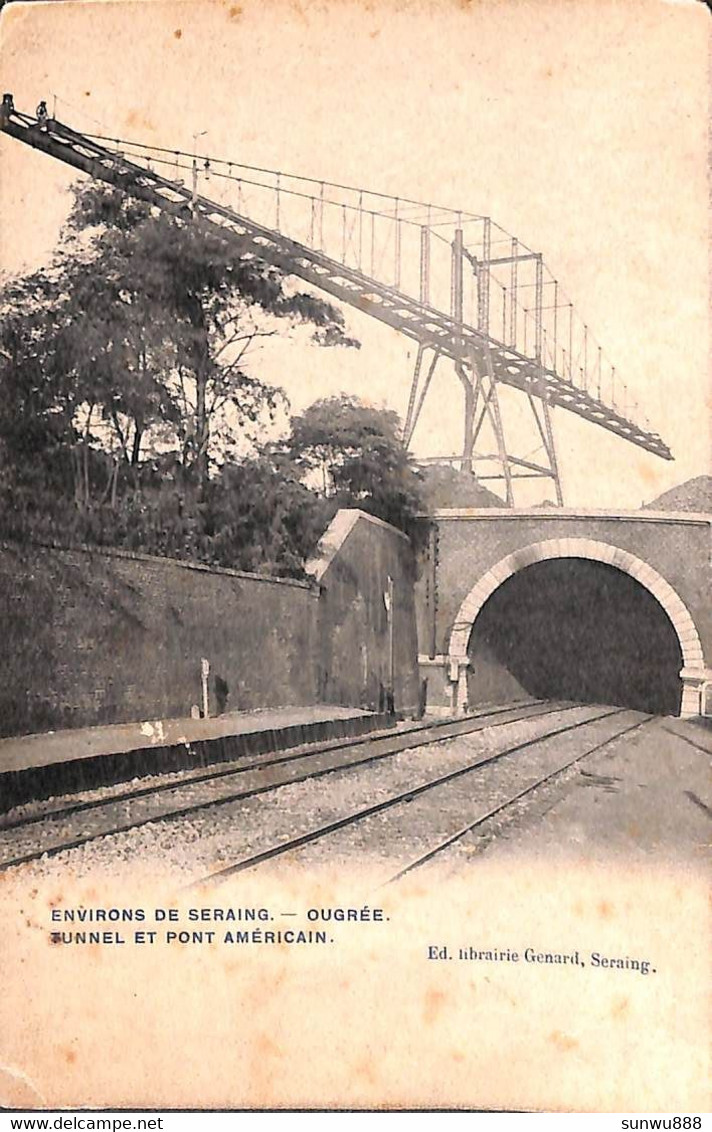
[450, 263]
[414, 247]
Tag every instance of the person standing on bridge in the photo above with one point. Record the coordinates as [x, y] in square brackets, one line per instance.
[42, 115]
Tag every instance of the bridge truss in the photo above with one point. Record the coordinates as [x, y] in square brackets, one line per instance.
[456, 284]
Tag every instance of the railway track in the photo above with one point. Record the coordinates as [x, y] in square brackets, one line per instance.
[112, 795]
[706, 750]
[494, 811]
[166, 801]
[426, 791]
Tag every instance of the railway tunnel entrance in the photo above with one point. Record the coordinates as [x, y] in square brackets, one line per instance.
[575, 629]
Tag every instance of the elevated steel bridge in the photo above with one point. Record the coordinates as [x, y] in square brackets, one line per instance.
[455, 283]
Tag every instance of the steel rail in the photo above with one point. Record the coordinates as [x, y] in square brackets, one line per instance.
[268, 759]
[690, 742]
[379, 807]
[452, 838]
[393, 742]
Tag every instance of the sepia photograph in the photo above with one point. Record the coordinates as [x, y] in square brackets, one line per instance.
[355, 556]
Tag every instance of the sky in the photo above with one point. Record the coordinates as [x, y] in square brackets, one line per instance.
[581, 127]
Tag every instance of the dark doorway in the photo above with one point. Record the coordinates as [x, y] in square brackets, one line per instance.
[573, 629]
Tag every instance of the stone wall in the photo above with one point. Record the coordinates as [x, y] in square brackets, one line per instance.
[677, 547]
[359, 553]
[95, 636]
[472, 552]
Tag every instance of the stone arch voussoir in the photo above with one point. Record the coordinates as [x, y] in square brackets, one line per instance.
[643, 572]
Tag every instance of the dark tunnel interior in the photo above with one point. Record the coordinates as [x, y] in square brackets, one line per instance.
[574, 629]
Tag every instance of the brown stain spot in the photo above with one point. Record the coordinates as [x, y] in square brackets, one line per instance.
[69, 1056]
[266, 1047]
[621, 1007]
[177, 33]
[279, 978]
[87, 94]
[458, 1055]
[235, 12]
[562, 1041]
[653, 481]
[434, 1002]
[605, 910]
[364, 1069]
[136, 119]
[647, 473]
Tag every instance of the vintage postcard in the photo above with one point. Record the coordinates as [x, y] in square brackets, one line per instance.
[355, 555]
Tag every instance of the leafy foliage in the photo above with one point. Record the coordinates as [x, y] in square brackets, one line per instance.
[356, 455]
[261, 517]
[189, 309]
[130, 406]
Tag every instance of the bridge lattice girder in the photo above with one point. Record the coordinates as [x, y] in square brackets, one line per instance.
[471, 349]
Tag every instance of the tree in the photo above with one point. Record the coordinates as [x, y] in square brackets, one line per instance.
[125, 367]
[190, 292]
[357, 454]
[38, 433]
[261, 517]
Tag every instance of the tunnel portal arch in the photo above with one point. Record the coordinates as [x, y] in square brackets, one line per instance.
[693, 670]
